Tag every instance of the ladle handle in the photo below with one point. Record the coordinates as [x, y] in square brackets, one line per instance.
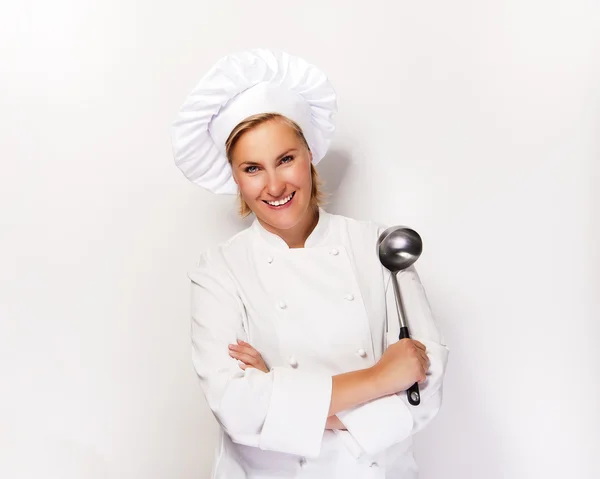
[413, 394]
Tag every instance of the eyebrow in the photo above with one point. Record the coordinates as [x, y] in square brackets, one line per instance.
[254, 163]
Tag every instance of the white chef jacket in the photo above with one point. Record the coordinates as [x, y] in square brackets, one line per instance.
[312, 313]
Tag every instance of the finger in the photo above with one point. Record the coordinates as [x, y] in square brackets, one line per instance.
[419, 345]
[247, 345]
[425, 360]
[425, 375]
[249, 350]
[246, 358]
[257, 361]
[424, 372]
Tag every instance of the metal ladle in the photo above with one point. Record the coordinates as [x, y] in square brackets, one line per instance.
[398, 248]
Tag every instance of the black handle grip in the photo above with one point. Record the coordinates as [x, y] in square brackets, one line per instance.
[413, 394]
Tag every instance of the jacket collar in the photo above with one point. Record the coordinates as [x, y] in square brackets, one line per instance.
[315, 238]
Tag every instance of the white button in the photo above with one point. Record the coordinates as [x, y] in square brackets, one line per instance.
[293, 362]
[270, 259]
[373, 464]
[349, 296]
[282, 305]
[362, 353]
[302, 461]
[334, 252]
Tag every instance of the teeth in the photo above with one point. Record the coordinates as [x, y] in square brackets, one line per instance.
[280, 202]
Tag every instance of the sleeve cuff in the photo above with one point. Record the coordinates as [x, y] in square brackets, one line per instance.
[378, 424]
[297, 414]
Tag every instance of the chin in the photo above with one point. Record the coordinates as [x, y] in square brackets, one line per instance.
[284, 219]
[282, 224]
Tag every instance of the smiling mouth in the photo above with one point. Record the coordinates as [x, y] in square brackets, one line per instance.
[281, 202]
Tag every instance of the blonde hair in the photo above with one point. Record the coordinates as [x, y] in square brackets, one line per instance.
[317, 196]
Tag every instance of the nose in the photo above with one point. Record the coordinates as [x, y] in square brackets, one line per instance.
[275, 185]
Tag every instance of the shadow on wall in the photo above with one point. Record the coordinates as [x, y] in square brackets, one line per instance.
[464, 412]
[332, 170]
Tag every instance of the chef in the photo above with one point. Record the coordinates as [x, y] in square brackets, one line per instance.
[294, 326]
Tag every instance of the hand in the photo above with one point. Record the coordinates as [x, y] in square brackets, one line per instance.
[402, 364]
[249, 357]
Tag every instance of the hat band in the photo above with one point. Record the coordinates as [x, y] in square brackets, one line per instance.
[260, 98]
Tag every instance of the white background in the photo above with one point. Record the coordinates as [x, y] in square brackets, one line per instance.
[474, 122]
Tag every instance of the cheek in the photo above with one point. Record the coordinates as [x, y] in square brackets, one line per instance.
[300, 175]
[250, 186]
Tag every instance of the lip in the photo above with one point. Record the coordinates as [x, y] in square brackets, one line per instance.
[279, 208]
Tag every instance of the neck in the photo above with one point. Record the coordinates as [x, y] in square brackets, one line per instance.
[296, 237]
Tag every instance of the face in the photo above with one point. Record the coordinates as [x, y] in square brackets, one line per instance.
[271, 166]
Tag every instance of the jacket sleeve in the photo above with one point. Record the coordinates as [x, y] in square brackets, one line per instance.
[377, 425]
[284, 410]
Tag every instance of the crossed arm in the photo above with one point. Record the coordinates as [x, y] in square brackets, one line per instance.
[249, 357]
[258, 407]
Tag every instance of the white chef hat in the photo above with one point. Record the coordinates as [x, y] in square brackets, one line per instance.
[241, 85]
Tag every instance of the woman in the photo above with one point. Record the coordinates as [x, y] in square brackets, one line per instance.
[290, 332]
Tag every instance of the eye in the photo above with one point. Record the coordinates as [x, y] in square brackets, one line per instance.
[251, 169]
[287, 159]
